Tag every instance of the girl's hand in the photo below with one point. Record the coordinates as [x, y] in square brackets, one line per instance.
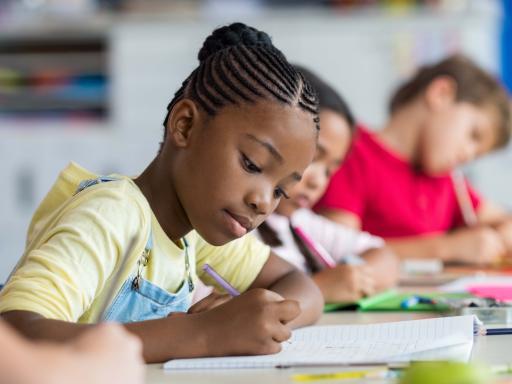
[211, 301]
[346, 283]
[505, 231]
[253, 323]
[478, 245]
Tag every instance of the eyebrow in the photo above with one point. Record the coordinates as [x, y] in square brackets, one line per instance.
[273, 151]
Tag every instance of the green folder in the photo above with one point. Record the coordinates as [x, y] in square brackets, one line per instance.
[392, 301]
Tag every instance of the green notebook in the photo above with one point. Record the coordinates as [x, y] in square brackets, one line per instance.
[392, 301]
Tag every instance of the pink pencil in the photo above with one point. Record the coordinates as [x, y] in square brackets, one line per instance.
[318, 251]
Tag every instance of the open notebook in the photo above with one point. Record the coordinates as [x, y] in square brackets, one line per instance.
[439, 338]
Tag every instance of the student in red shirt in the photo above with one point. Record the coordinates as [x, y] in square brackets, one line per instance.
[396, 182]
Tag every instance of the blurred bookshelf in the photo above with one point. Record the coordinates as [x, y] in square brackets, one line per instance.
[54, 76]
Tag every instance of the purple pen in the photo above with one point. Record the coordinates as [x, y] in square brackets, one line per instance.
[219, 279]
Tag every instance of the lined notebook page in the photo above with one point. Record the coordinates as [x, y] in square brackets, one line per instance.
[346, 344]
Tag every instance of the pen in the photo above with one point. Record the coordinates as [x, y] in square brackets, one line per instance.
[116, 279]
[320, 253]
[218, 278]
[496, 331]
[415, 300]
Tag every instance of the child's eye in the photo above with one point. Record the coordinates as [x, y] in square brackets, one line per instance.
[279, 192]
[249, 166]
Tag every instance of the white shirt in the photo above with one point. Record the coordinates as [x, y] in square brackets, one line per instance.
[344, 244]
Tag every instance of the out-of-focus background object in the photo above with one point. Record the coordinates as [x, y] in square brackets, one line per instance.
[89, 80]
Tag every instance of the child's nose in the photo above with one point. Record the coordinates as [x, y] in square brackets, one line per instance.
[260, 202]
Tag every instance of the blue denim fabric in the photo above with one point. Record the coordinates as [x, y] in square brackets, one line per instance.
[147, 301]
[90, 182]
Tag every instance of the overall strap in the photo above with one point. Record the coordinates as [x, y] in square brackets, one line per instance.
[105, 179]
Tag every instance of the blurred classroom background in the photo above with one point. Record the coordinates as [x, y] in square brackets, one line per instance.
[89, 80]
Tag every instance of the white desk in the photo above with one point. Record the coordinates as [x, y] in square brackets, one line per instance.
[488, 349]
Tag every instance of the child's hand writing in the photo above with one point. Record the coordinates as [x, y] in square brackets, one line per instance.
[211, 301]
[478, 245]
[346, 283]
[253, 323]
[505, 231]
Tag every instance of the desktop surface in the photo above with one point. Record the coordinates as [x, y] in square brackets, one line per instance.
[487, 349]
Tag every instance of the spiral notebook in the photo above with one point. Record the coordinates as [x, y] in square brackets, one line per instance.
[430, 339]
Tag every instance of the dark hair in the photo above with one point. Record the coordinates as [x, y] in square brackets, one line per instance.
[269, 237]
[474, 85]
[239, 64]
[328, 98]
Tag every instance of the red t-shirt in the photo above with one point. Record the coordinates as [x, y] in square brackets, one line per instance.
[389, 196]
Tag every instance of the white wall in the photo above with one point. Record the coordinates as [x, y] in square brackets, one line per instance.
[363, 55]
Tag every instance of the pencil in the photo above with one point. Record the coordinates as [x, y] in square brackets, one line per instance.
[220, 280]
[318, 251]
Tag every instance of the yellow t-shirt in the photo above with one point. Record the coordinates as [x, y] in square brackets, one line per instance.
[75, 243]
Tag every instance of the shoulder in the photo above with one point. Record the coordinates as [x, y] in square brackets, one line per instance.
[117, 201]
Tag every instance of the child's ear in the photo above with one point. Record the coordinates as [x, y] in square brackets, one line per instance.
[184, 117]
[441, 91]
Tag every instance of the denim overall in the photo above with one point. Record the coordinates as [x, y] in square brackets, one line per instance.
[139, 299]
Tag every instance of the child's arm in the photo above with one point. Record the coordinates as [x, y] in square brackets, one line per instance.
[92, 358]
[483, 244]
[478, 245]
[349, 283]
[283, 278]
[492, 214]
[252, 323]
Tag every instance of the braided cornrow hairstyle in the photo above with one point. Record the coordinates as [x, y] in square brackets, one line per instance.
[239, 64]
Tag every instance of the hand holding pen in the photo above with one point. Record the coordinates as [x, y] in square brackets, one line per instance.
[254, 322]
[215, 298]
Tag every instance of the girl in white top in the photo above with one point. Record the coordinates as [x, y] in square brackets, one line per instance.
[364, 265]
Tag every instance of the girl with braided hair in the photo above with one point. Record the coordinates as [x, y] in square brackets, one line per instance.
[238, 135]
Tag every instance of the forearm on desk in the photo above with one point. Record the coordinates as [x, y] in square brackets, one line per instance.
[424, 247]
[162, 339]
